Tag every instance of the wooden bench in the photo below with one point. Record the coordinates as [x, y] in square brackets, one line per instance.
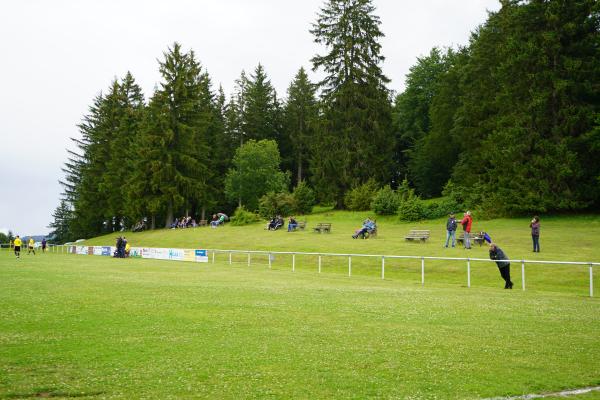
[476, 237]
[203, 222]
[323, 227]
[417, 234]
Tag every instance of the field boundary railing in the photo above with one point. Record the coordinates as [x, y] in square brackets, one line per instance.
[69, 249]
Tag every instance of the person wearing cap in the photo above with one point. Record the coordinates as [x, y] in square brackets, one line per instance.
[466, 223]
[451, 230]
[17, 244]
[503, 264]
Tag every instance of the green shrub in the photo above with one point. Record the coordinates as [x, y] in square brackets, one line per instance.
[241, 216]
[304, 198]
[272, 204]
[411, 208]
[360, 197]
[385, 202]
[441, 208]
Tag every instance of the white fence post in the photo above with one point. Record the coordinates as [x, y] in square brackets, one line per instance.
[294, 262]
[523, 274]
[382, 267]
[213, 258]
[349, 265]
[468, 272]
[319, 263]
[229, 258]
[422, 270]
[269, 255]
[591, 281]
[248, 258]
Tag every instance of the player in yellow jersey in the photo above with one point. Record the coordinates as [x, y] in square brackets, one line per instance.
[31, 246]
[17, 244]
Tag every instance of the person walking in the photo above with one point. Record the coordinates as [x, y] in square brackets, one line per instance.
[497, 254]
[466, 223]
[44, 244]
[535, 233]
[31, 246]
[17, 242]
[451, 230]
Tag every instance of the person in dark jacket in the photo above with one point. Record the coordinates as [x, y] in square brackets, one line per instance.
[451, 230]
[496, 253]
[535, 233]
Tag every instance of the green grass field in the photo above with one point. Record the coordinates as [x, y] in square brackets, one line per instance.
[97, 327]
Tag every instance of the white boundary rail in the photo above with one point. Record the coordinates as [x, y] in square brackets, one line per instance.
[64, 249]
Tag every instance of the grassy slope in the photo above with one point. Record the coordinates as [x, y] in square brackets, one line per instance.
[563, 238]
[102, 327]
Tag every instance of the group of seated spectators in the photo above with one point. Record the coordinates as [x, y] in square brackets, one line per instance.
[122, 248]
[277, 222]
[184, 222]
[368, 227]
[139, 226]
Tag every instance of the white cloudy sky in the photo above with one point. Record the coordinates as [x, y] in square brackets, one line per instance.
[55, 56]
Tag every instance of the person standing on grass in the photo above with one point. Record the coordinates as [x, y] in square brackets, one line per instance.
[31, 246]
[535, 233]
[44, 243]
[497, 254]
[466, 223]
[17, 244]
[451, 230]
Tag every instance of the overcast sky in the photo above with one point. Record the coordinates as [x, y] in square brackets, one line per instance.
[57, 55]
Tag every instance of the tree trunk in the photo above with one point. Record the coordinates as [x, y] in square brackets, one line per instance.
[299, 169]
[203, 213]
[169, 216]
[153, 223]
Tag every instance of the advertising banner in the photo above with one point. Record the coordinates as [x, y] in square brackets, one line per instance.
[147, 253]
[90, 250]
[135, 252]
[97, 250]
[201, 255]
[106, 251]
[189, 255]
[176, 254]
[82, 250]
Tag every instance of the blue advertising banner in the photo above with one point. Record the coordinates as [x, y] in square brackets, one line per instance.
[201, 256]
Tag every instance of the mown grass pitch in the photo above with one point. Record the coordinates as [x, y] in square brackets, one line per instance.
[85, 326]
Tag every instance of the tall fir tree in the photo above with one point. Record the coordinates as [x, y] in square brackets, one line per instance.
[355, 143]
[260, 107]
[424, 120]
[174, 151]
[127, 114]
[301, 116]
[411, 114]
[61, 225]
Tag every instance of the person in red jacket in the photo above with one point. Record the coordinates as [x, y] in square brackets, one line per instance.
[466, 223]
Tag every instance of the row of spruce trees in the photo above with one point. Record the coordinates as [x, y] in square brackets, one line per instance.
[509, 123]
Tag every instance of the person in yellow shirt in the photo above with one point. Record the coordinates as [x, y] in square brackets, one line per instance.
[31, 246]
[127, 249]
[17, 244]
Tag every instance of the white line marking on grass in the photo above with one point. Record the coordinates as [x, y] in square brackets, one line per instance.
[564, 393]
